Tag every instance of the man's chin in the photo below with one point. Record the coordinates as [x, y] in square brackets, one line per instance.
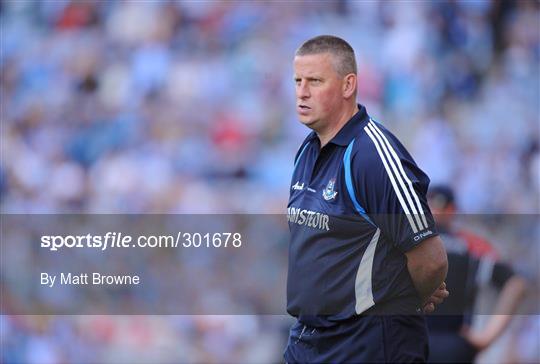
[309, 122]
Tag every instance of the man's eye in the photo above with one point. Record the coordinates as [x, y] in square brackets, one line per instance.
[316, 81]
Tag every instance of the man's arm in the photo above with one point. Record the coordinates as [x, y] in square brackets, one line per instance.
[509, 299]
[428, 265]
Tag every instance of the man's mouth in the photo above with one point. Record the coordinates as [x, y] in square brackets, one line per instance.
[303, 109]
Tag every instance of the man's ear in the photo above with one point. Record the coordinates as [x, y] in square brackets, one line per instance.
[349, 85]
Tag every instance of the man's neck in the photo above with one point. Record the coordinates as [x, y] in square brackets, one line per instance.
[327, 135]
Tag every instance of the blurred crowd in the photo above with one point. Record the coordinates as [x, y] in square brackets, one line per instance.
[188, 107]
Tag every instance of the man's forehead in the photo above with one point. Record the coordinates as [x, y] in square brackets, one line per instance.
[313, 63]
[313, 58]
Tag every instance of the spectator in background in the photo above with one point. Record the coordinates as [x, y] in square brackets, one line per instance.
[472, 262]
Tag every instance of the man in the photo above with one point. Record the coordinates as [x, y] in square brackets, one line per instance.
[364, 256]
[473, 262]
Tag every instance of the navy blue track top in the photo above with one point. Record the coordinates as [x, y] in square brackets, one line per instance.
[355, 207]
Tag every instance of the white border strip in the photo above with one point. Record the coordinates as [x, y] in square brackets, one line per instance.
[363, 289]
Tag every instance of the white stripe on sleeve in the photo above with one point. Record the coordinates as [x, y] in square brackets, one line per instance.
[400, 165]
[392, 180]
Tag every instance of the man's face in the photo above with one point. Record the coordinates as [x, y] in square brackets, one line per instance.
[319, 90]
[443, 214]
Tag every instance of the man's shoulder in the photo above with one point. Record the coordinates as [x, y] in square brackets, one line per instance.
[378, 154]
[375, 144]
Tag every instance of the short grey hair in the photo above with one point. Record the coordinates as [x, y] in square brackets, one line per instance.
[342, 52]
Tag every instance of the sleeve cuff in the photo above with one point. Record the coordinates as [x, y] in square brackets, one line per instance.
[415, 239]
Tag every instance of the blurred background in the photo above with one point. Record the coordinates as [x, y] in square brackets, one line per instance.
[184, 107]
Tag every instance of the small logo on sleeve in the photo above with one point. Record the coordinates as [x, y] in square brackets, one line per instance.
[422, 235]
[328, 193]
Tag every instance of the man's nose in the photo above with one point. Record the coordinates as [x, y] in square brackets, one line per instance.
[302, 90]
